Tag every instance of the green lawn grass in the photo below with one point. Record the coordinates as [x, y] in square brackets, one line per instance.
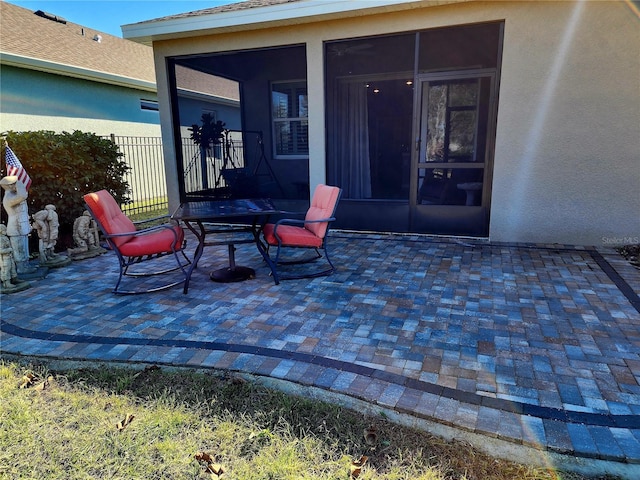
[110, 423]
[143, 210]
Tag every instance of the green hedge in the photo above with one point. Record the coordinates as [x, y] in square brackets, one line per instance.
[65, 166]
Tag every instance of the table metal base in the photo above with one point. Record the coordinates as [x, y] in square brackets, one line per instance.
[194, 214]
[232, 273]
[229, 275]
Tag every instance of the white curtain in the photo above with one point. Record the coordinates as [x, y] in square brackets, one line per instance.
[352, 122]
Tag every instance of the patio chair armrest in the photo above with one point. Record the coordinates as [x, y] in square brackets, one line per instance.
[144, 231]
[122, 234]
[286, 212]
[320, 220]
[293, 221]
[156, 228]
[289, 221]
[150, 220]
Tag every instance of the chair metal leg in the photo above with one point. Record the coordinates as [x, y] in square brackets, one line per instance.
[322, 273]
[125, 264]
[304, 260]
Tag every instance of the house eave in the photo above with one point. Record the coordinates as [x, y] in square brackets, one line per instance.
[66, 70]
[295, 13]
[186, 93]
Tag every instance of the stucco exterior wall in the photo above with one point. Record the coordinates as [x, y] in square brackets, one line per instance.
[191, 112]
[33, 100]
[23, 123]
[567, 163]
[567, 166]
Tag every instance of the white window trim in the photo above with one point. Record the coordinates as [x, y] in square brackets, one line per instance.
[288, 119]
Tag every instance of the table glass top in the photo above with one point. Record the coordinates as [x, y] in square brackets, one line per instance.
[215, 209]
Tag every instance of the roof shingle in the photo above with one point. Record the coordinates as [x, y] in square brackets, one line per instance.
[25, 34]
[232, 7]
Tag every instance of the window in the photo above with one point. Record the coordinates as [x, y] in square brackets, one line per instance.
[213, 113]
[148, 105]
[290, 119]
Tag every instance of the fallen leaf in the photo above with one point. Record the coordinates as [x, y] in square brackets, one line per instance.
[45, 383]
[41, 386]
[204, 457]
[356, 466]
[215, 469]
[28, 379]
[361, 461]
[124, 423]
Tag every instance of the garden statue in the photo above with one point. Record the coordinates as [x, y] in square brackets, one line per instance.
[86, 238]
[8, 274]
[54, 225]
[18, 227]
[46, 223]
[41, 225]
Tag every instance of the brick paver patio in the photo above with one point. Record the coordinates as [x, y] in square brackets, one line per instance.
[531, 346]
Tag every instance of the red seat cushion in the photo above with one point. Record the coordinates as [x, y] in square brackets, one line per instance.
[108, 214]
[323, 205]
[152, 243]
[291, 236]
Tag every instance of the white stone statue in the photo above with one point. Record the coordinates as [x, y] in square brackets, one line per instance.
[86, 238]
[18, 227]
[41, 225]
[46, 223]
[7, 263]
[54, 226]
[85, 232]
[9, 281]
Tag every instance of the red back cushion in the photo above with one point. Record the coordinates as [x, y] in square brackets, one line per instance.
[323, 205]
[108, 214]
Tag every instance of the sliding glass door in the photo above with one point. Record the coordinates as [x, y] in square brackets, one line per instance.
[450, 178]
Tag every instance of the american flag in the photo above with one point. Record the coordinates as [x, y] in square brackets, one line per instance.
[14, 167]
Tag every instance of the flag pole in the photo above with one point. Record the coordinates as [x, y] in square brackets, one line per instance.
[5, 144]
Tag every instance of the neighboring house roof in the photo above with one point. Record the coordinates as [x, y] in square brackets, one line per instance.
[263, 13]
[193, 82]
[232, 7]
[44, 42]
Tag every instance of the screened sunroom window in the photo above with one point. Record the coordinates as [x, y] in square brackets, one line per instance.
[290, 119]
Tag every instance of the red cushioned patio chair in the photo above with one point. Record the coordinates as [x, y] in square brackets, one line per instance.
[312, 232]
[133, 246]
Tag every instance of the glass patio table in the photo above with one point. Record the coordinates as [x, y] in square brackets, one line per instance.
[217, 217]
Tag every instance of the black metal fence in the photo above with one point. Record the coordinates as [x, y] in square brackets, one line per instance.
[209, 170]
[221, 168]
[146, 176]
